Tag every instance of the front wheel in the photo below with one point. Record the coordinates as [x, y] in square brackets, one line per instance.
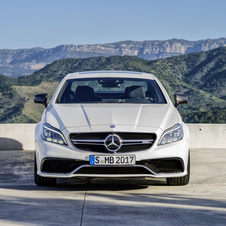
[177, 181]
[42, 181]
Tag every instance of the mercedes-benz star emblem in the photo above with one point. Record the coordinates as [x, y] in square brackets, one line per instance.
[112, 142]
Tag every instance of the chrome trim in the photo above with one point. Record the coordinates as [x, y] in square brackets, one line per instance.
[118, 146]
[135, 143]
[143, 141]
[74, 171]
[74, 142]
[130, 142]
[113, 166]
[101, 142]
[88, 141]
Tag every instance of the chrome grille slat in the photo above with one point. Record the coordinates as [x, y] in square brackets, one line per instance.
[134, 143]
[101, 142]
[127, 145]
[87, 143]
[91, 141]
[143, 141]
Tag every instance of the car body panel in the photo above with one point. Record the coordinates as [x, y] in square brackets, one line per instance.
[99, 117]
[83, 115]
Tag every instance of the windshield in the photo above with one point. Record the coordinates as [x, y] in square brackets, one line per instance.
[110, 90]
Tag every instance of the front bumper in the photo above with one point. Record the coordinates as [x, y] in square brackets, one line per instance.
[71, 168]
[174, 156]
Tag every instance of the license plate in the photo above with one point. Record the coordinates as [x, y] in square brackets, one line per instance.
[112, 160]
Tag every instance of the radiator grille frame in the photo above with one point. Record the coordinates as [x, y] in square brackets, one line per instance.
[95, 142]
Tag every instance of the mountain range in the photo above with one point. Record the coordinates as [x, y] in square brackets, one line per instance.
[19, 62]
[201, 76]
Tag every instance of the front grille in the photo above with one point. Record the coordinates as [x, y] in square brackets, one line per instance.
[96, 141]
[124, 136]
[95, 148]
[123, 149]
[112, 170]
[61, 165]
[172, 165]
[129, 148]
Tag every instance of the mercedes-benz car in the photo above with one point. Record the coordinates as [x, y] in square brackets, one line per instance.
[111, 124]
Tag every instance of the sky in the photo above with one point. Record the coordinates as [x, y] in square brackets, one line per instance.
[50, 23]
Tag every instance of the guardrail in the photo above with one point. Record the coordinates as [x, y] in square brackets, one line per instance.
[21, 136]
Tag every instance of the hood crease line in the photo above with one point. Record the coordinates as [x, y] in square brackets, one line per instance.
[138, 117]
[87, 119]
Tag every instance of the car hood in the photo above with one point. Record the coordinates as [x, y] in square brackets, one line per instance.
[103, 116]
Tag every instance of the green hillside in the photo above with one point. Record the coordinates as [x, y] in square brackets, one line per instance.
[201, 76]
[14, 63]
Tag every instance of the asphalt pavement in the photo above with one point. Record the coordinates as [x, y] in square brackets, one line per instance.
[113, 202]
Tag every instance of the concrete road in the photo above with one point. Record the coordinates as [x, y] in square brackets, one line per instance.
[113, 201]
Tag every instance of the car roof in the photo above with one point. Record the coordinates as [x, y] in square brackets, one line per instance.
[122, 74]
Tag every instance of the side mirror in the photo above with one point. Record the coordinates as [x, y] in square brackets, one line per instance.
[41, 99]
[180, 99]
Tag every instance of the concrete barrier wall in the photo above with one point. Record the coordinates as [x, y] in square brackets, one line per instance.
[17, 136]
[207, 135]
[21, 136]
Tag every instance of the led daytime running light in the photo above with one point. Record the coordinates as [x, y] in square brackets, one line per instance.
[52, 135]
[172, 135]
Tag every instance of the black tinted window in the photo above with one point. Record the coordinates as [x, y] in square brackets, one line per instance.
[110, 90]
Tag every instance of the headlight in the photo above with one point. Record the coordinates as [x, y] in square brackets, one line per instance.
[172, 134]
[52, 135]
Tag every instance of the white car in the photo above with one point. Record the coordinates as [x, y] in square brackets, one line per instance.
[111, 124]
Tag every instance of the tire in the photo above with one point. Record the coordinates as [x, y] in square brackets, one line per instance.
[42, 181]
[178, 181]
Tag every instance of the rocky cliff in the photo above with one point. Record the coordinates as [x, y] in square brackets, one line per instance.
[14, 63]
